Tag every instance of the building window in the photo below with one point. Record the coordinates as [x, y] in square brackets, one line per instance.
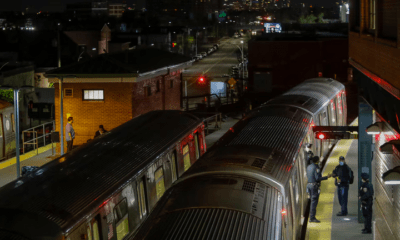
[93, 95]
[372, 14]
[158, 86]
[68, 92]
[147, 91]
[171, 83]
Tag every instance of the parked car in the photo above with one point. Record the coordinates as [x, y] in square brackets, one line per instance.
[210, 51]
[199, 56]
[204, 54]
[215, 47]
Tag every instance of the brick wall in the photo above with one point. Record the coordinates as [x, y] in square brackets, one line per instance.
[122, 102]
[141, 103]
[380, 58]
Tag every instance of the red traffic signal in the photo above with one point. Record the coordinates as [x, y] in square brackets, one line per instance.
[321, 136]
[201, 79]
[173, 44]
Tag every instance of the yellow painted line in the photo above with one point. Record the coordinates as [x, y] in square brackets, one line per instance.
[323, 230]
[25, 156]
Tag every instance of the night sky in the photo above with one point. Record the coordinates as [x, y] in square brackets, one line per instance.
[41, 5]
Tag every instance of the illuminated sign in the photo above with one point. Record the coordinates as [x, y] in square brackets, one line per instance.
[273, 27]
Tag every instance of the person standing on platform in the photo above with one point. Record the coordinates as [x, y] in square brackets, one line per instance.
[314, 181]
[366, 194]
[343, 177]
[69, 134]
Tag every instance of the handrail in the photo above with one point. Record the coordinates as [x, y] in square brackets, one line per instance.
[35, 140]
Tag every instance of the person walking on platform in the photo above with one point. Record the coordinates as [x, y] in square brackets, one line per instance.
[314, 181]
[343, 177]
[366, 194]
[69, 134]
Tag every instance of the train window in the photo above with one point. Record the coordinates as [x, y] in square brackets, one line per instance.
[196, 143]
[159, 177]
[142, 197]
[12, 122]
[173, 165]
[95, 227]
[333, 113]
[121, 219]
[186, 157]
[89, 233]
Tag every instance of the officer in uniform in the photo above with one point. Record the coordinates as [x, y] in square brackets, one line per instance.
[314, 181]
[342, 175]
[365, 195]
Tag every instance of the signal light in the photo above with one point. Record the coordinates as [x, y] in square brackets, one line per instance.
[173, 44]
[201, 79]
[320, 136]
[283, 212]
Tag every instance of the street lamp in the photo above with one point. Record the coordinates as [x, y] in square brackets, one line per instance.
[60, 81]
[242, 60]
[16, 120]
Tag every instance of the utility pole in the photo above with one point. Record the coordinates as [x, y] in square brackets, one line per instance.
[196, 43]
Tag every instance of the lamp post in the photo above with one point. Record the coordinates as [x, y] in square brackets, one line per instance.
[60, 81]
[16, 121]
[242, 60]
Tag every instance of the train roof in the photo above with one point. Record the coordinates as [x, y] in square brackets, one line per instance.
[311, 95]
[60, 189]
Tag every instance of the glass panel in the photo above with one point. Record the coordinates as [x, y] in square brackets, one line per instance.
[96, 235]
[90, 94]
[86, 94]
[186, 157]
[173, 166]
[89, 234]
[101, 93]
[96, 94]
[122, 229]
[159, 177]
[142, 201]
[196, 143]
[121, 210]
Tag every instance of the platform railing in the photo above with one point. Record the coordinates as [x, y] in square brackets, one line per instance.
[206, 101]
[37, 135]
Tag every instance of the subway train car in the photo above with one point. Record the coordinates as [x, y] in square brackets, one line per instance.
[7, 130]
[252, 183]
[107, 188]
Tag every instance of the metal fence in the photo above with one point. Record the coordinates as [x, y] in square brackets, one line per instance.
[205, 101]
[211, 120]
[36, 137]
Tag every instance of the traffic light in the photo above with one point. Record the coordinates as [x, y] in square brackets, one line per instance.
[334, 135]
[201, 80]
[173, 44]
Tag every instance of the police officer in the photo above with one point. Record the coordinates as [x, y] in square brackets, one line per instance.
[342, 174]
[365, 195]
[314, 181]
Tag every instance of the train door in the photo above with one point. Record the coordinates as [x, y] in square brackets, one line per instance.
[94, 229]
[2, 138]
[332, 113]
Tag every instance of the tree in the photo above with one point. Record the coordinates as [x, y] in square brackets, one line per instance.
[307, 19]
[321, 18]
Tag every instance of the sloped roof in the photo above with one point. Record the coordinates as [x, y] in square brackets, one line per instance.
[125, 62]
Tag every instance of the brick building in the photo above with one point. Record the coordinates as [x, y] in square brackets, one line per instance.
[111, 89]
[374, 51]
[116, 9]
[289, 59]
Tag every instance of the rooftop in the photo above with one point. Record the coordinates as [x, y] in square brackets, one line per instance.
[126, 62]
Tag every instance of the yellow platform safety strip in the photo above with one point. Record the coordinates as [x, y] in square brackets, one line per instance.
[323, 230]
[25, 156]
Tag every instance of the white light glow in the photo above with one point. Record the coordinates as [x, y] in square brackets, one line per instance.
[392, 182]
[373, 133]
[346, 219]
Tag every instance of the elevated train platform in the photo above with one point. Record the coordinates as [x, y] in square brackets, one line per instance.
[332, 226]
